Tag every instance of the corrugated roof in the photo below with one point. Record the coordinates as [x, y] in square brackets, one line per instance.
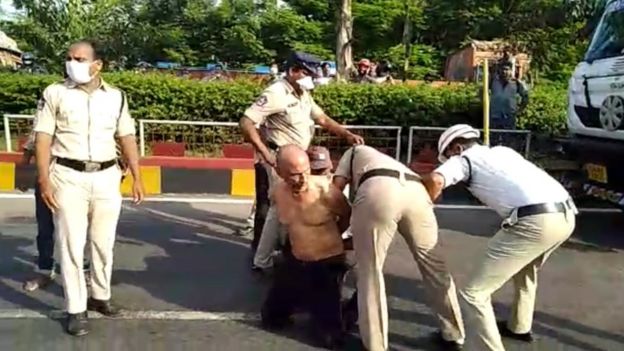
[8, 43]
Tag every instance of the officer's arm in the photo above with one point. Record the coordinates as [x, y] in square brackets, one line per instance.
[434, 182]
[343, 171]
[267, 104]
[126, 133]
[322, 119]
[250, 133]
[340, 206]
[45, 126]
[451, 172]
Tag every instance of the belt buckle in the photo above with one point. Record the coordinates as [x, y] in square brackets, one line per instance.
[91, 167]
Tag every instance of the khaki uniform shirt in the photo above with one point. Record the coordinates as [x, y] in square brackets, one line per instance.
[366, 158]
[284, 117]
[84, 126]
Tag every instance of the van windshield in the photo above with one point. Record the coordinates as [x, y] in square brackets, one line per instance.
[608, 40]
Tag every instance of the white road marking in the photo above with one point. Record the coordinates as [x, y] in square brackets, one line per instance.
[230, 201]
[137, 315]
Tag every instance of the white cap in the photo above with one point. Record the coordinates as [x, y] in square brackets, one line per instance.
[457, 131]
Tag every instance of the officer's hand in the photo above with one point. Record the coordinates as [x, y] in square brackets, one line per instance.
[138, 192]
[269, 158]
[355, 139]
[47, 195]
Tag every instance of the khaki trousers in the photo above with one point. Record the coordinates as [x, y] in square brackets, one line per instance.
[273, 232]
[515, 252]
[88, 201]
[382, 206]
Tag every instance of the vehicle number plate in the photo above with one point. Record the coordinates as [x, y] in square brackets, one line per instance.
[596, 173]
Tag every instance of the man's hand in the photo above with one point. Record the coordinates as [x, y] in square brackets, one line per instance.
[47, 194]
[354, 139]
[138, 191]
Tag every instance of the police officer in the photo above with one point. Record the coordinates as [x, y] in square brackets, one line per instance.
[538, 217]
[286, 114]
[389, 197]
[78, 176]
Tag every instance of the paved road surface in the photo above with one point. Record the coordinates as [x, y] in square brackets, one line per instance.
[185, 281]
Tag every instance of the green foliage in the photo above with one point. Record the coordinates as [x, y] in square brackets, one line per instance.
[547, 109]
[243, 32]
[160, 96]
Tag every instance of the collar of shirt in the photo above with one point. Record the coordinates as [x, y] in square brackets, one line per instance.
[291, 90]
[72, 85]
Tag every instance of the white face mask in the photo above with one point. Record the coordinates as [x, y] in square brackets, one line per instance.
[306, 83]
[78, 72]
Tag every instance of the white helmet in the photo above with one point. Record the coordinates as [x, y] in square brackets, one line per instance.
[457, 131]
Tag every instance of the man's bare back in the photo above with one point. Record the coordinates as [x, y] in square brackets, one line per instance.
[311, 218]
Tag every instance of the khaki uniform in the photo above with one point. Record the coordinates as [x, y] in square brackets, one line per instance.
[511, 185]
[84, 127]
[284, 118]
[382, 206]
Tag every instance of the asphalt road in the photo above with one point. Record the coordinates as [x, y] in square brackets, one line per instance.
[185, 282]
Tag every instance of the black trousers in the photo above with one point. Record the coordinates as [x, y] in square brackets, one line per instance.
[315, 286]
[45, 232]
[262, 202]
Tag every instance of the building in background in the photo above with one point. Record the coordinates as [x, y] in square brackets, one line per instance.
[466, 65]
[10, 55]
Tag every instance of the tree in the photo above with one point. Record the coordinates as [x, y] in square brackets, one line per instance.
[344, 37]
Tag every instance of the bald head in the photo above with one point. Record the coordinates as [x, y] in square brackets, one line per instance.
[293, 165]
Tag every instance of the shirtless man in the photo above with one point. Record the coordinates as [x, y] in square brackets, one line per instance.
[315, 214]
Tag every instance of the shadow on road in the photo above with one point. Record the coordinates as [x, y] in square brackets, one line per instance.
[217, 267]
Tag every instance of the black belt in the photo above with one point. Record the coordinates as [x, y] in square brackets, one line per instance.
[82, 166]
[550, 207]
[383, 172]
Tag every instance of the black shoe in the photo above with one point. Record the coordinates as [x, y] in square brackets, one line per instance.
[505, 332]
[104, 307]
[331, 341]
[446, 344]
[77, 324]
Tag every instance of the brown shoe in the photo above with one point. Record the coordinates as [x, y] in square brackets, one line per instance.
[104, 307]
[39, 282]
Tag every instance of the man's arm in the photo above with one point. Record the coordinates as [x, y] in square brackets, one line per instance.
[524, 95]
[129, 150]
[326, 122]
[130, 155]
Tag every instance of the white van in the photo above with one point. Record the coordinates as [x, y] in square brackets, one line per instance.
[596, 109]
[596, 90]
